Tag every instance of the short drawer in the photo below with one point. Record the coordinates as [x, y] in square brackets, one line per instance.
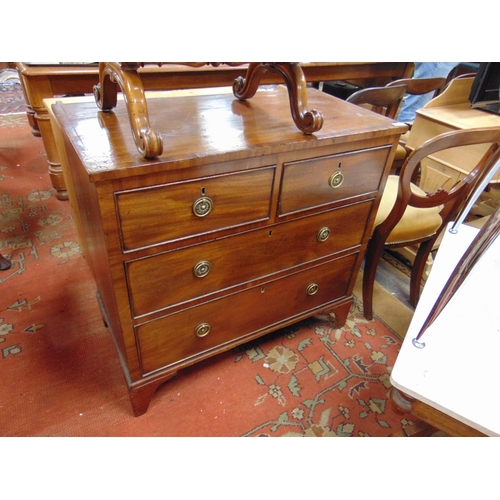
[189, 333]
[153, 215]
[177, 276]
[310, 183]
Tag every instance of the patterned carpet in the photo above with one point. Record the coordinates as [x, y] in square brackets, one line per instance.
[60, 371]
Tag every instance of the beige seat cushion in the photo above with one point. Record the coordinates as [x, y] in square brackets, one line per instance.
[404, 137]
[416, 222]
[400, 153]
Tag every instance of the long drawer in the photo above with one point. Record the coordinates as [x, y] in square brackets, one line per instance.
[174, 211]
[180, 336]
[177, 276]
[320, 181]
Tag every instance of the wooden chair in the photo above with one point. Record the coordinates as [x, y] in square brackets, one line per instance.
[385, 101]
[407, 215]
[414, 86]
[419, 86]
[382, 100]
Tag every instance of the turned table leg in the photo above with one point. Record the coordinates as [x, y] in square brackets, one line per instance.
[30, 112]
[38, 118]
[55, 167]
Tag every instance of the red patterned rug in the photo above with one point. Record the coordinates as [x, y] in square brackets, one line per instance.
[60, 370]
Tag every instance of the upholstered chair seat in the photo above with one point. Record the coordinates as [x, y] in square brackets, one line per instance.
[401, 153]
[416, 223]
[407, 215]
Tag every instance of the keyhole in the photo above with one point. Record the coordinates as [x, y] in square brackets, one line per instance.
[203, 191]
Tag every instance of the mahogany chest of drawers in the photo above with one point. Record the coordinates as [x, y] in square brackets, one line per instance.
[244, 225]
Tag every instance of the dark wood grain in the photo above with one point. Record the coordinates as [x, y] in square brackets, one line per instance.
[282, 244]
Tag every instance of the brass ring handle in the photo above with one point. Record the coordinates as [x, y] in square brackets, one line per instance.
[323, 234]
[202, 206]
[336, 179]
[202, 330]
[312, 289]
[201, 269]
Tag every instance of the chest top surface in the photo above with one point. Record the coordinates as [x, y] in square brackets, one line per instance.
[202, 129]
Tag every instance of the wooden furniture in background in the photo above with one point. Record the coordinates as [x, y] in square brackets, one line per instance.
[387, 101]
[450, 111]
[414, 86]
[43, 81]
[407, 215]
[420, 86]
[382, 100]
[244, 225]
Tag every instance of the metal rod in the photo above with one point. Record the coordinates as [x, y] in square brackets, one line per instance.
[483, 240]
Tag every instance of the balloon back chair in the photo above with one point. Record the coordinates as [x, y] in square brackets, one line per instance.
[407, 215]
[420, 86]
[385, 101]
[382, 100]
[414, 86]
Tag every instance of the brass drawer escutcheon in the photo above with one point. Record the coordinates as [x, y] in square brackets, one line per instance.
[202, 206]
[202, 330]
[323, 234]
[336, 179]
[201, 269]
[312, 289]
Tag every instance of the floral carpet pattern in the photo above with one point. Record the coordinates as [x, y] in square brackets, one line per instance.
[34, 228]
[61, 374]
[327, 381]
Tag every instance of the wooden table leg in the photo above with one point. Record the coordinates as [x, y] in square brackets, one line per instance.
[433, 417]
[30, 112]
[38, 118]
[55, 168]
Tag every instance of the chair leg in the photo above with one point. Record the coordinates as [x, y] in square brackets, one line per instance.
[372, 257]
[417, 270]
[4, 263]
